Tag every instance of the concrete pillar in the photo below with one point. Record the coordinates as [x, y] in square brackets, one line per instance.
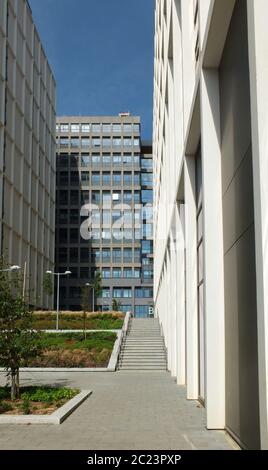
[213, 251]
[191, 280]
[180, 296]
[258, 53]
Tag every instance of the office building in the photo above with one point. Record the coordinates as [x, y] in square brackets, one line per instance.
[104, 211]
[210, 227]
[27, 148]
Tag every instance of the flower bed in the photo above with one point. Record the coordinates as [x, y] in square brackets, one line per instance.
[35, 400]
[75, 321]
[73, 350]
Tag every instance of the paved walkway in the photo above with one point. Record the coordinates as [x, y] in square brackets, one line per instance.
[127, 410]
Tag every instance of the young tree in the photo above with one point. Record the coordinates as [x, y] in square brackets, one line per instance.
[85, 306]
[96, 284]
[18, 341]
[48, 285]
[116, 304]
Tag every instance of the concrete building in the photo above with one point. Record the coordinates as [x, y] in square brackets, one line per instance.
[210, 190]
[27, 148]
[104, 211]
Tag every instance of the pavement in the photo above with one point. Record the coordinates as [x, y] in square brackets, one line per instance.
[127, 410]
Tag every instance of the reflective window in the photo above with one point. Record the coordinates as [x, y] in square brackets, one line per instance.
[95, 159]
[147, 196]
[106, 179]
[64, 127]
[127, 128]
[117, 142]
[106, 273]
[74, 142]
[117, 159]
[106, 159]
[106, 128]
[136, 128]
[117, 128]
[117, 273]
[75, 128]
[85, 177]
[95, 178]
[96, 142]
[85, 142]
[147, 163]
[117, 179]
[64, 142]
[96, 127]
[85, 128]
[85, 160]
[106, 141]
[127, 141]
[105, 293]
[127, 272]
[127, 179]
[136, 142]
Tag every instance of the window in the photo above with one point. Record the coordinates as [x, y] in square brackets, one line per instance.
[117, 273]
[106, 159]
[127, 293]
[137, 255]
[136, 160]
[116, 196]
[117, 159]
[106, 179]
[63, 197]
[96, 142]
[127, 128]
[74, 198]
[84, 255]
[105, 293]
[122, 293]
[74, 142]
[73, 255]
[136, 128]
[106, 235]
[106, 217]
[127, 197]
[137, 273]
[84, 178]
[75, 292]
[85, 160]
[106, 273]
[147, 196]
[147, 163]
[106, 255]
[147, 247]
[116, 215]
[95, 255]
[63, 216]
[62, 255]
[148, 274]
[117, 142]
[137, 179]
[95, 196]
[106, 141]
[62, 160]
[136, 142]
[73, 235]
[147, 179]
[74, 178]
[84, 273]
[117, 128]
[64, 142]
[85, 128]
[127, 141]
[74, 160]
[96, 128]
[106, 197]
[85, 142]
[95, 159]
[127, 272]
[64, 178]
[127, 179]
[74, 216]
[95, 179]
[64, 128]
[137, 197]
[75, 128]
[63, 235]
[125, 308]
[106, 128]
[143, 292]
[141, 311]
[127, 255]
[117, 255]
[116, 178]
[127, 160]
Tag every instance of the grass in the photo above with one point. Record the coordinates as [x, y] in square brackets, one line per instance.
[72, 350]
[75, 321]
[35, 400]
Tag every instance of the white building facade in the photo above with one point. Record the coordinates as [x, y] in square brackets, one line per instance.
[210, 150]
[27, 148]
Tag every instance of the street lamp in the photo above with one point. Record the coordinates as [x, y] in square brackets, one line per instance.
[93, 294]
[10, 269]
[58, 291]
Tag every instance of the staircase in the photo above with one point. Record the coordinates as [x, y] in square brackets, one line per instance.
[143, 347]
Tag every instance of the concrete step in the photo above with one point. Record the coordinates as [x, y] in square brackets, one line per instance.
[142, 368]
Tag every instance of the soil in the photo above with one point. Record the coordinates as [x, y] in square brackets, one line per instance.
[36, 408]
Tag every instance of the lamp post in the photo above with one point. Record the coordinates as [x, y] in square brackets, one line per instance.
[93, 294]
[58, 291]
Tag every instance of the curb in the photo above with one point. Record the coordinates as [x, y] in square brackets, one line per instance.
[55, 418]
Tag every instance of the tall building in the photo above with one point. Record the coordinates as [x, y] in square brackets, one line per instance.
[27, 148]
[210, 231]
[104, 211]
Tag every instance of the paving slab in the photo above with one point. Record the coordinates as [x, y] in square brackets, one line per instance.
[126, 411]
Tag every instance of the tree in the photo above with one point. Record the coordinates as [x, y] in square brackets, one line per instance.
[116, 304]
[48, 285]
[85, 306]
[96, 284]
[18, 341]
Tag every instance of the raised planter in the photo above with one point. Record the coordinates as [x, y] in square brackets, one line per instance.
[57, 417]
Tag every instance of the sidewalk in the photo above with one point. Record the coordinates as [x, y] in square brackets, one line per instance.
[127, 411]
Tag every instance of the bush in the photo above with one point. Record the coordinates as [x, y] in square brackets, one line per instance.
[4, 407]
[48, 395]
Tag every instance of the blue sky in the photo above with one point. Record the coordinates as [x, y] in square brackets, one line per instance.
[101, 53]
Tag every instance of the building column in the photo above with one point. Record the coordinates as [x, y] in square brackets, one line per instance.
[258, 65]
[180, 295]
[192, 380]
[213, 251]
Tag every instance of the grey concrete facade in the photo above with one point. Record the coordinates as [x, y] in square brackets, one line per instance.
[104, 180]
[27, 148]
